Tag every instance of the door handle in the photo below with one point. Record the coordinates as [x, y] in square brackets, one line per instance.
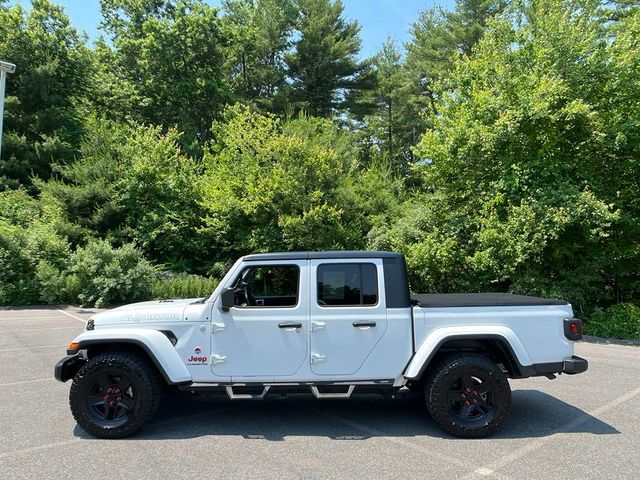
[317, 357]
[217, 327]
[215, 359]
[364, 323]
[315, 326]
[290, 325]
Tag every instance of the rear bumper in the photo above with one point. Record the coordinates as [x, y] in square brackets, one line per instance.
[570, 365]
[575, 365]
[66, 368]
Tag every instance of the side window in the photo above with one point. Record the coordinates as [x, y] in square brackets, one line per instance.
[268, 286]
[347, 284]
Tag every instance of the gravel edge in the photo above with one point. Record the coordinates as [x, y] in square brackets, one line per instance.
[611, 341]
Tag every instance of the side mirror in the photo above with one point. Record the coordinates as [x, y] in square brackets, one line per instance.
[227, 299]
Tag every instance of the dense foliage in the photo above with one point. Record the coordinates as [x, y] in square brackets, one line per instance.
[182, 286]
[44, 105]
[499, 149]
[620, 321]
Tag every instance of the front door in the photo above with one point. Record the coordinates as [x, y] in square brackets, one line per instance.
[265, 333]
[347, 313]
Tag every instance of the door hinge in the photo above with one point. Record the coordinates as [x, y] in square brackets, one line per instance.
[217, 327]
[315, 326]
[215, 359]
[317, 357]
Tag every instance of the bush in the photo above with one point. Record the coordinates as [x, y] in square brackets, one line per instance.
[619, 321]
[18, 208]
[184, 286]
[101, 275]
[23, 252]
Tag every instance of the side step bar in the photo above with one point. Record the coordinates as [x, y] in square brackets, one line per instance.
[258, 391]
[318, 394]
[246, 396]
[314, 389]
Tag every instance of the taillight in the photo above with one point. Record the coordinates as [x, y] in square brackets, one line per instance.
[573, 328]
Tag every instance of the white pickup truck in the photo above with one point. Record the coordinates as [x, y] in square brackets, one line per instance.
[332, 323]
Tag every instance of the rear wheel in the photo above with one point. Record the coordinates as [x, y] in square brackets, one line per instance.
[468, 395]
[114, 394]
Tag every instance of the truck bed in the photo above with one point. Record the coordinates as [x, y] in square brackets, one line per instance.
[442, 300]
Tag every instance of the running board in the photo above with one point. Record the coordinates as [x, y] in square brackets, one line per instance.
[258, 391]
[319, 395]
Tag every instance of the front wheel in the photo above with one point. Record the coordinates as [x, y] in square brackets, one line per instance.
[468, 395]
[114, 394]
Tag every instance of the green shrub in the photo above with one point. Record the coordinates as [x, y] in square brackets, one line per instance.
[619, 321]
[23, 252]
[52, 282]
[18, 208]
[184, 286]
[101, 275]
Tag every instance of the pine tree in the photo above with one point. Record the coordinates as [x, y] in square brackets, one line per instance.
[438, 35]
[390, 124]
[324, 66]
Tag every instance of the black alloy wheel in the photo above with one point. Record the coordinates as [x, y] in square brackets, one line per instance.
[114, 394]
[112, 399]
[467, 395]
[470, 398]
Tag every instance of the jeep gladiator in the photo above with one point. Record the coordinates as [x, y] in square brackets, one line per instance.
[330, 323]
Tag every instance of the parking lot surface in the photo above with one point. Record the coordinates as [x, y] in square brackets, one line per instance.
[581, 427]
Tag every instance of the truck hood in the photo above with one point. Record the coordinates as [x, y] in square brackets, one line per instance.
[157, 311]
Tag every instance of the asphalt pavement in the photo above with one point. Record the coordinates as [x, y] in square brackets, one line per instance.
[574, 427]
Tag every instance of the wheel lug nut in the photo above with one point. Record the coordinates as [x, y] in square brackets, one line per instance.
[475, 401]
[120, 398]
[466, 402]
[463, 395]
[468, 389]
[475, 393]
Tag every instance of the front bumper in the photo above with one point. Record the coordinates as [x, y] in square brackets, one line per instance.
[66, 368]
[575, 365]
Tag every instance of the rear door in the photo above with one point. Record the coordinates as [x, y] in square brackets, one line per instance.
[348, 314]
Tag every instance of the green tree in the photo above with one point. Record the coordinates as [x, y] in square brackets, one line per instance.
[271, 186]
[531, 155]
[131, 184]
[166, 65]
[390, 125]
[438, 37]
[45, 97]
[261, 35]
[323, 65]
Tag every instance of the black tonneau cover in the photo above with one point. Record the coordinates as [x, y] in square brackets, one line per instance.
[440, 300]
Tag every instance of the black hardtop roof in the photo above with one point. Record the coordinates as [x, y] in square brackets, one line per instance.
[321, 255]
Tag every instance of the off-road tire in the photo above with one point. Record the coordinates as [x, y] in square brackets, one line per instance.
[145, 390]
[446, 402]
